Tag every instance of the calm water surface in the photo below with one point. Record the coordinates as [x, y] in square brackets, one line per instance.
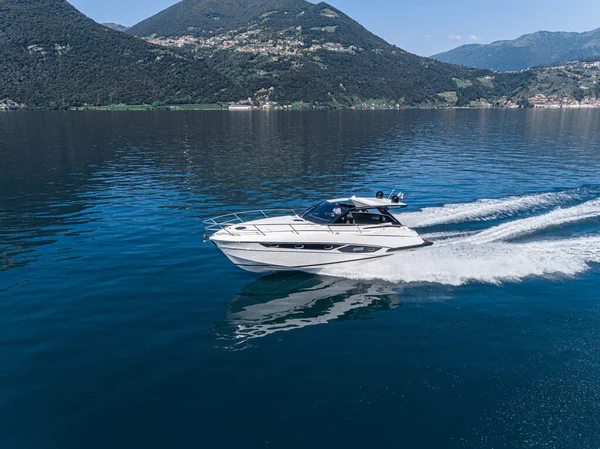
[119, 328]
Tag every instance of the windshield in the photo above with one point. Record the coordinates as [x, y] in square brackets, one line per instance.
[325, 212]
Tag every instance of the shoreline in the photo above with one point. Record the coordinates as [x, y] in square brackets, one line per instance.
[160, 106]
[147, 108]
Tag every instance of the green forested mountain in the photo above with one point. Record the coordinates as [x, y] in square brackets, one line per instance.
[530, 50]
[53, 56]
[204, 16]
[300, 51]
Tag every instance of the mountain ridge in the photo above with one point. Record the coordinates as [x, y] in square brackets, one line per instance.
[527, 51]
[209, 15]
[115, 26]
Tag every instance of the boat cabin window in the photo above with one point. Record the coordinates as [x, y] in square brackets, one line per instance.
[326, 212]
[365, 218]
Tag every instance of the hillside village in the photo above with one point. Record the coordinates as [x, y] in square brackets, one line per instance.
[573, 84]
[251, 41]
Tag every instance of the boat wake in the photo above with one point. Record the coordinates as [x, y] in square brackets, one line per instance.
[562, 240]
[556, 218]
[487, 209]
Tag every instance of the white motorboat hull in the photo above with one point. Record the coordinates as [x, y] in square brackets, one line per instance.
[258, 258]
[259, 261]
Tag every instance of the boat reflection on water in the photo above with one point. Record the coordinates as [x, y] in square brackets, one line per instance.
[289, 301]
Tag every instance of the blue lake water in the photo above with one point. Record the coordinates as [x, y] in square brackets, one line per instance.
[120, 328]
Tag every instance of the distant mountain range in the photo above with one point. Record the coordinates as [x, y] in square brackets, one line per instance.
[116, 27]
[263, 52]
[530, 50]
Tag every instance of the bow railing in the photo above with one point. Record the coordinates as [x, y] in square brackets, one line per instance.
[244, 220]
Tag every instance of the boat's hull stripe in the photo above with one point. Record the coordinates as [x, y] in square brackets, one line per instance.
[296, 267]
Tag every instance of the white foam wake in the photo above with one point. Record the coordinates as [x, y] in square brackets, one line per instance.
[485, 209]
[530, 225]
[462, 262]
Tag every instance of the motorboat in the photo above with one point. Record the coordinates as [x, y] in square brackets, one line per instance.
[334, 232]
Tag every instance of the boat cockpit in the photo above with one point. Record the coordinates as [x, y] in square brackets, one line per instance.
[342, 213]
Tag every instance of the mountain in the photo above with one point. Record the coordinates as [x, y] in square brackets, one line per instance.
[295, 51]
[205, 16]
[116, 27]
[55, 57]
[530, 50]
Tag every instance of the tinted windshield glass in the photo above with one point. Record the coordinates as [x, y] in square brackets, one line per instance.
[325, 212]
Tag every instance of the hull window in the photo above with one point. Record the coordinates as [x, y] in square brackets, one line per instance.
[359, 249]
[307, 246]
